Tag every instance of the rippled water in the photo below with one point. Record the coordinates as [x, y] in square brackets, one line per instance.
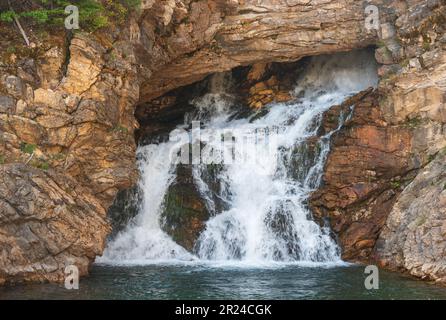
[236, 282]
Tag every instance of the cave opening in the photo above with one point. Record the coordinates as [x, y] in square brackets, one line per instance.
[254, 92]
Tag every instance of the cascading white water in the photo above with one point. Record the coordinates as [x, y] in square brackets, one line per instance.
[267, 219]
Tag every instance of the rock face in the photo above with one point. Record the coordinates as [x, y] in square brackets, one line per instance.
[198, 38]
[66, 149]
[48, 221]
[393, 135]
[67, 122]
[414, 236]
[362, 175]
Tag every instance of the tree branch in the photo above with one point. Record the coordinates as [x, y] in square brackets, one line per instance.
[16, 20]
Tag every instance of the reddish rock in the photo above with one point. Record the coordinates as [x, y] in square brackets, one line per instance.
[357, 193]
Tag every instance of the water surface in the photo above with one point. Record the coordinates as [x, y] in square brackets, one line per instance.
[206, 282]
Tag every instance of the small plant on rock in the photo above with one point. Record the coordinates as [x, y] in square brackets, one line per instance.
[27, 148]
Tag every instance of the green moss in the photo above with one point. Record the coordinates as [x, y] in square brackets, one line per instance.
[431, 157]
[404, 63]
[58, 156]
[2, 159]
[120, 129]
[27, 148]
[11, 49]
[184, 210]
[420, 221]
[395, 184]
[426, 43]
[40, 164]
[414, 122]
[317, 148]
[132, 4]
[332, 119]
[381, 44]
[43, 165]
[183, 215]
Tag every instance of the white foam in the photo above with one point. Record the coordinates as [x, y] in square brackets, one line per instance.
[263, 194]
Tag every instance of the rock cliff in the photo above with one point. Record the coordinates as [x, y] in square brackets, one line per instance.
[67, 123]
[391, 140]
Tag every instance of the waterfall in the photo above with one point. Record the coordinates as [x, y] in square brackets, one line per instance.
[266, 193]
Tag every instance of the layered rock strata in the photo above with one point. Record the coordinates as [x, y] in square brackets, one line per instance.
[67, 126]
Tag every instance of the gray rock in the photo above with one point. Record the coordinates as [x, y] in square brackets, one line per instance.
[384, 56]
[430, 58]
[387, 31]
[14, 86]
[414, 237]
[415, 63]
[7, 104]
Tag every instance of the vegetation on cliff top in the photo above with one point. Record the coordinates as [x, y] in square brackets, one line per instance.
[93, 14]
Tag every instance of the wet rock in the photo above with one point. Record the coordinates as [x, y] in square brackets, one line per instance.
[124, 209]
[187, 207]
[185, 211]
[357, 193]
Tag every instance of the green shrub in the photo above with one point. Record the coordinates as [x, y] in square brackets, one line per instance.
[93, 14]
[11, 49]
[431, 157]
[43, 165]
[58, 156]
[7, 16]
[27, 148]
[395, 184]
[120, 129]
[40, 16]
[414, 122]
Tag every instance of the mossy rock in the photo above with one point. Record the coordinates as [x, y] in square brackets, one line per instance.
[303, 157]
[185, 212]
